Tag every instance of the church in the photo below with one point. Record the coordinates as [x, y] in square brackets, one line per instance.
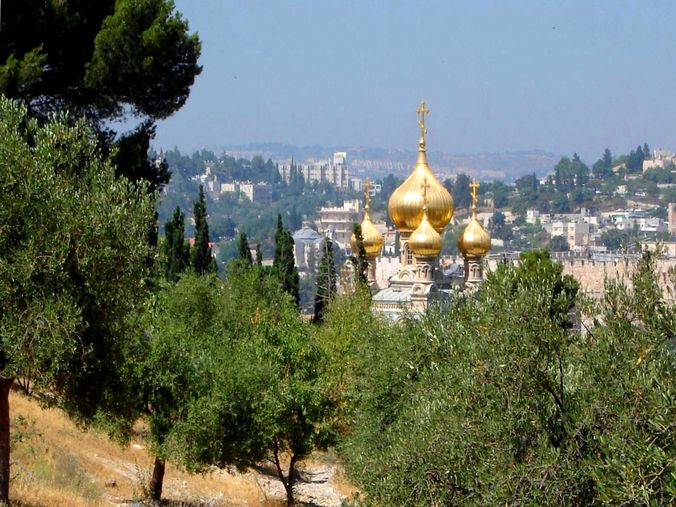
[420, 209]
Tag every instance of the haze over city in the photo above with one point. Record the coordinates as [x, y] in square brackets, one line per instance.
[498, 76]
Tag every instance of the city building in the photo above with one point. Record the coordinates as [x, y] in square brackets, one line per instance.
[659, 160]
[307, 244]
[532, 216]
[672, 218]
[333, 171]
[336, 222]
[576, 232]
[256, 192]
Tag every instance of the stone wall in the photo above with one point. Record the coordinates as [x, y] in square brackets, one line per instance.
[592, 273]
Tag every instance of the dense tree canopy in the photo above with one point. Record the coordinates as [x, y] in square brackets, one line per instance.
[499, 399]
[175, 249]
[326, 280]
[71, 275]
[97, 59]
[201, 258]
[284, 264]
[102, 61]
[243, 380]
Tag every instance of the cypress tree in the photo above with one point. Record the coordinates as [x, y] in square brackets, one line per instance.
[176, 253]
[202, 260]
[259, 256]
[358, 258]
[284, 265]
[243, 248]
[326, 281]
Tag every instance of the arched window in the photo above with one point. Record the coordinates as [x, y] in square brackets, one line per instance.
[409, 254]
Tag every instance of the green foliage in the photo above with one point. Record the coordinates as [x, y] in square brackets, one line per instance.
[202, 260]
[603, 168]
[184, 318]
[242, 377]
[558, 244]
[176, 251]
[244, 249]
[97, 59]
[570, 174]
[131, 158]
[71, 275]
[101, 61]
[326, 281]
[143, 54]
[635, 159]
[449, 244]
[358, 258]
[284, 264]
[459, 189]
[499, 227]
[496, 398]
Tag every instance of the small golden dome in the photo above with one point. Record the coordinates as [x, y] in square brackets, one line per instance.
[373, 240]
[405, 204]
[425, 240]
[474, 240]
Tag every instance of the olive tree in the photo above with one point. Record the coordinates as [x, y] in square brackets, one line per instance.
[234, 376]
[73, 255]
[507, 396]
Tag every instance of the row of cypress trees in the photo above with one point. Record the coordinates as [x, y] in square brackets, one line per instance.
[284, 266]
[178, 254]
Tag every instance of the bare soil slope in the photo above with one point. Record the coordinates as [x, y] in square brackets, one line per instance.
[54, 463]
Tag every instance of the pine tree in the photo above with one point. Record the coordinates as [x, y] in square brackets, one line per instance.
[259, 256]
[358, 258]
[243, 249]
[607, 158]
[284, 265]
[202, 260]
[176, 254]
[326, 281]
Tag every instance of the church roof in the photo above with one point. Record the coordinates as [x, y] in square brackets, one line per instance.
[306, 234]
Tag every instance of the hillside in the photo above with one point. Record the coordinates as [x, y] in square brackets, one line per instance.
[379, 162]
[55, 464]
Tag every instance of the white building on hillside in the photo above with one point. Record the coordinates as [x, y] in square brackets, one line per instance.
[336, 222]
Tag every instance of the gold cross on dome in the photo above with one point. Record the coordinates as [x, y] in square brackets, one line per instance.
[367, 192]
[422, 111]
[425, 186]
[474, 186]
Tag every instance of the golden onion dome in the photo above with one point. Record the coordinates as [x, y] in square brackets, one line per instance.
[474, 240]
[372, 239]
[405, 204]
[425, 240]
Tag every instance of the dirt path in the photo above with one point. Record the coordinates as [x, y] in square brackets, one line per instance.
[319, 485]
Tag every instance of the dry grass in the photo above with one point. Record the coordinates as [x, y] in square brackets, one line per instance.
[57, 464]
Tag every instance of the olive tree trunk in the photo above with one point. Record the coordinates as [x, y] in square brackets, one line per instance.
[5, 385]
[157, 480]
[290, 478]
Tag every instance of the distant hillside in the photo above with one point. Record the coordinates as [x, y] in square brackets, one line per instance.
[377, 162]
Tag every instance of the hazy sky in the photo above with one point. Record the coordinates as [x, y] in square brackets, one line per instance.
[497, 76]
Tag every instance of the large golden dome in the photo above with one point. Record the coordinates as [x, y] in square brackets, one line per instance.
[373, 240]
[474, 240]
[406, 202]
[425, 240]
